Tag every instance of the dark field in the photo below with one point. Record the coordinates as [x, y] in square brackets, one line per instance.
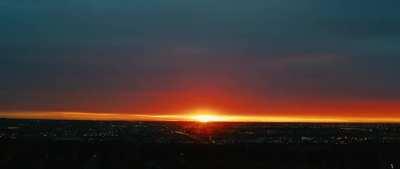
[113, 145]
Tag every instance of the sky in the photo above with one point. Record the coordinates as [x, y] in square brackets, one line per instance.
[253, 57]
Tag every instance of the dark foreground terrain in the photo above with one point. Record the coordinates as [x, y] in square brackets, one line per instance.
[37, 144]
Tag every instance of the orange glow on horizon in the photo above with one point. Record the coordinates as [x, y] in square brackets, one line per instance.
[204, 116]
[196, 116]
[207, 118]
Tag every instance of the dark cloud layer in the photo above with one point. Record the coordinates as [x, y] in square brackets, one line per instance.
[72, 55]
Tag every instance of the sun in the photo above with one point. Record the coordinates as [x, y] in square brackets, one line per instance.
[205, 116]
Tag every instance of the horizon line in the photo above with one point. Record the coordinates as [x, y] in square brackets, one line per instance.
[92, 116]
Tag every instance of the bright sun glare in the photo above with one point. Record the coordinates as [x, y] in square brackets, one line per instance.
[205, 116]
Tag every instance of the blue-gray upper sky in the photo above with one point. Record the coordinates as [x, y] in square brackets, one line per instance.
[132, 55]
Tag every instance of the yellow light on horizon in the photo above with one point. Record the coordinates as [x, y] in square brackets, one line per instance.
[204, 118]
[199, 115]
[205, 115]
